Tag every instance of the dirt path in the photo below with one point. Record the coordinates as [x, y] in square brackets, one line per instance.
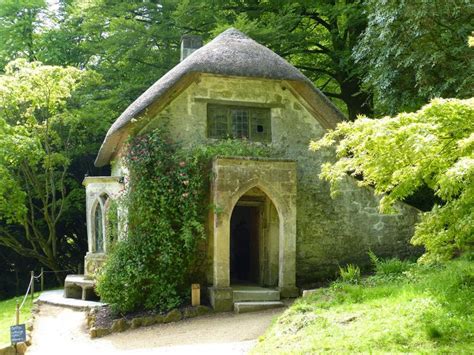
[63, 331]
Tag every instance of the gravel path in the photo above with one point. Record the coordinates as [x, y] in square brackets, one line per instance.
[63, 331]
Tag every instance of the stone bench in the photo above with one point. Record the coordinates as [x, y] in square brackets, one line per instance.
[79, 287]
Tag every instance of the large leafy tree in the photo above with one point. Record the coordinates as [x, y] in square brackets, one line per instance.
[19, 26]
[131, 44]
[40, 135]
[432, 147]
[413, 51]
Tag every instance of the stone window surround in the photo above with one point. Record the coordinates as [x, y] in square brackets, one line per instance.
[97, 186]
[258, 115]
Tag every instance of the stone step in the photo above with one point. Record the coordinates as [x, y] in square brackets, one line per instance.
[244, 307]
[256, 295]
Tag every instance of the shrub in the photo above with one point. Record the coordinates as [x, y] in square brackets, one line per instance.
[431, 149]
[166, 202]
[389, 267]
[350, 273]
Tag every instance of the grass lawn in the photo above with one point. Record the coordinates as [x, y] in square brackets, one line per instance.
[7, 316]
[420, 310]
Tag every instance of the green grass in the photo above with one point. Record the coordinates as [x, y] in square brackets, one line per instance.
[7, 316]
[422, 310]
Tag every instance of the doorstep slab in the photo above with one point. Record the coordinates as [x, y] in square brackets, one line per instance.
[244, 307]
[56, 298]
[256, 295]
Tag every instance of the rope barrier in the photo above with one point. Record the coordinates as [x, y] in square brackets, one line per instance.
[46, 271]
[51, 271]
[33, 278]
[27, 292]
[31, 284]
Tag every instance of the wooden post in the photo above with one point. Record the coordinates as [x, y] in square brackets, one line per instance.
[17, 313]
[42, 279]
[79, 269]
[32, 286]
[195, 295]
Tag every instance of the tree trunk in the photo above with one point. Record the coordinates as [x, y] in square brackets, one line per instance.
[357, 101]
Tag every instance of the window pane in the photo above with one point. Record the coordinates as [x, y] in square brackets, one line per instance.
[217, 122]
[260, 125]
[99, 230]
[240, 123]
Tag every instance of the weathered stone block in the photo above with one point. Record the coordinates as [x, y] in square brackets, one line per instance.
[99, 332]
[21, 348]
[119, 325]
[148, 320]
[136, 323]
[8, 350]
[173, 316]
[222, 299]
[190, 312]
[159, 319]
[201, 310]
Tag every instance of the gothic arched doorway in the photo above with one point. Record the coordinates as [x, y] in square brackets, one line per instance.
[254, 231]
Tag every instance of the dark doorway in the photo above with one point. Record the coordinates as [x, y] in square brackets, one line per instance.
[244, 244]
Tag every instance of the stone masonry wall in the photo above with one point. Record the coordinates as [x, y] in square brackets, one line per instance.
[330, 232]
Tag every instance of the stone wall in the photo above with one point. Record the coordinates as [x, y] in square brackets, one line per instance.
[330, 232]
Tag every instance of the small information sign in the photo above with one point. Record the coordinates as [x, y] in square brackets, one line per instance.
[18, 333]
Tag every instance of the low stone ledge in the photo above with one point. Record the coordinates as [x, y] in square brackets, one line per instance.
[18, 349]
[122, 324]
[7, 350]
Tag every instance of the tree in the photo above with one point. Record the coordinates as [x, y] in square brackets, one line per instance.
[398, 155]
[40, 135]
[19, 24]
[131, 44]
[413, 51]
[317, 37]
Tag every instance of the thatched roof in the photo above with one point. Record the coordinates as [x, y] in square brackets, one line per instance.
[231, 53]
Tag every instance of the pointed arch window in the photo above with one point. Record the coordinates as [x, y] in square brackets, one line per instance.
[99, 218]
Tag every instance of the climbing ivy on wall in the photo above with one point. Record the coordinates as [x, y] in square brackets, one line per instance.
[167, 205]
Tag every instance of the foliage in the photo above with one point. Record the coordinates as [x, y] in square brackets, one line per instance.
[428, 310]
[166, 203]
[350, 273]
[316, 37]
[393, 267]
[39, 137]
[112, 224]
[413, 51]
[19, 25]
[398, 155]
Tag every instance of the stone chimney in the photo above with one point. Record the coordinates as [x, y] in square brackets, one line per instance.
[189, 43]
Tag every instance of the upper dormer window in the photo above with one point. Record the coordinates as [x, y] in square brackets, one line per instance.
[251, 123]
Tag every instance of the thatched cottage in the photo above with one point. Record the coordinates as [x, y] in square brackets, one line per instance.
[277, 227]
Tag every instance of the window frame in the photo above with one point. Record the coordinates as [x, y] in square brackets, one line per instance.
[257, 116]
[101, 205]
